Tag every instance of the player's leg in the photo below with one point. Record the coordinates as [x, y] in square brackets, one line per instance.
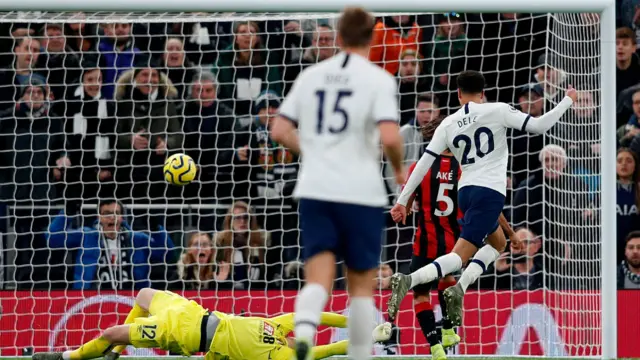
[140, 309]
[96, 348]
[319, 352]
[462, 251]
[480, 221]
[361, 229]
[449, 336]
[319, 240]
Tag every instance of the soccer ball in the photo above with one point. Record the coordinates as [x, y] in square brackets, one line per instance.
[179, 169]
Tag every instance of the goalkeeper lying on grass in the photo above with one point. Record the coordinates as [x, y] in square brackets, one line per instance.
[167, 321]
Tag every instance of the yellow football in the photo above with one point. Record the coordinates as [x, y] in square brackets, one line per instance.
[179, 169]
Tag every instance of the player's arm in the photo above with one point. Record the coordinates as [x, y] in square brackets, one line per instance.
[285, 133]
[392, 143]
[284, 129]
[435, 147]
[508, 231]
[539, 125]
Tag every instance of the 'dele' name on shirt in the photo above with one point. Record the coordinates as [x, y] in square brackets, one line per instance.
[467, 121]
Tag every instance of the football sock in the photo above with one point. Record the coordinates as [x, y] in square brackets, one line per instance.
[334, 349]
[444, 265]
[442, 286]
[333, 320]
[362, 312]
[478, 265]
[427, 320]
[95, 348]
[309, 305]
[136, 312]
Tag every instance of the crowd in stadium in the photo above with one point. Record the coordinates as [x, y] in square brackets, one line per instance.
[90, 112]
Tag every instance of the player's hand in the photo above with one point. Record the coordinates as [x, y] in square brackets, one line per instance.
[516, 243]
[572, 93]
[382, 332]
[399, 213]
[139, 141]
[243, 153]
[401, 175]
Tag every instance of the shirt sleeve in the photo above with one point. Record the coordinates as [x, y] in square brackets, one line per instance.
[290, 109]
[437, 145]
[539, 125]
[514, 118]
[385, 106]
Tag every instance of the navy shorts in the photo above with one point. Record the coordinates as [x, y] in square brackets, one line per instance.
[352, 232]
[481, 207]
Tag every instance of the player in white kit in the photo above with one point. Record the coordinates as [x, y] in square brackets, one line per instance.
[477, 136]
[343, 108]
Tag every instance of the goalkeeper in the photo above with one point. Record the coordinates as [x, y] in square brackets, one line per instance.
[167, 321]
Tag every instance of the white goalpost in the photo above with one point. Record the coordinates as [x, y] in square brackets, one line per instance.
[574, 311]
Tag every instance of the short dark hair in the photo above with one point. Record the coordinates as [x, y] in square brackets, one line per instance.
[632, 235]
[355, 27]
[626, 33]
[110, 201]
[428, 97]
[470, 82]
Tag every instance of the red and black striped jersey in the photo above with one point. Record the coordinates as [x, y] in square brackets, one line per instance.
[438, 214]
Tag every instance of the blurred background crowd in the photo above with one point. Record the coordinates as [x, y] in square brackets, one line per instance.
[90, 111]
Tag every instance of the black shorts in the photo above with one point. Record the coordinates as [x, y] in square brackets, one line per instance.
[418, 262]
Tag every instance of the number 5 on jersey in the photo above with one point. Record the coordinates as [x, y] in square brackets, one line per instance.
[337, 110]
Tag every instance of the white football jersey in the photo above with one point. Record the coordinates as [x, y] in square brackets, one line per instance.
[337, 105]
[477, 136]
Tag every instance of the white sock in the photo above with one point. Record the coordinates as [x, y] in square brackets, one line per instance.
[362, 313]
[478, 265]
[442, 266]
[308, 308]
[67, 355]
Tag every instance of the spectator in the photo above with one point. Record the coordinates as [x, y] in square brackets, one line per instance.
[383, 281]
[628, 132]
[148, 128]
[90, 138]
[450, 47]
[627, 64]
[202, 40]
[271, 168]
[628, 197]
[323, 46]
[198, 268]
[629, 269]
[553, 194]
[81, 36]
[519, 269]
[414, 141]
[117, 55]
[550, 77]
[209, 130]
[411, 84]
[243, 245]
[177, 67]
[20, 71]
[59, 64]
[391, 36]
[108, 255]
[32, 158]
[525, 147]
[244, 71]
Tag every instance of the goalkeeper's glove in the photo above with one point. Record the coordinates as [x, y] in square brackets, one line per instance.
[382, 332]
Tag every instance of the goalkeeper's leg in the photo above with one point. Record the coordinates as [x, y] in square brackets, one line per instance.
[140, 309]
[96, 348]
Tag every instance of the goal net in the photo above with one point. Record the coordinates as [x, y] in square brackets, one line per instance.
[93, 103]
